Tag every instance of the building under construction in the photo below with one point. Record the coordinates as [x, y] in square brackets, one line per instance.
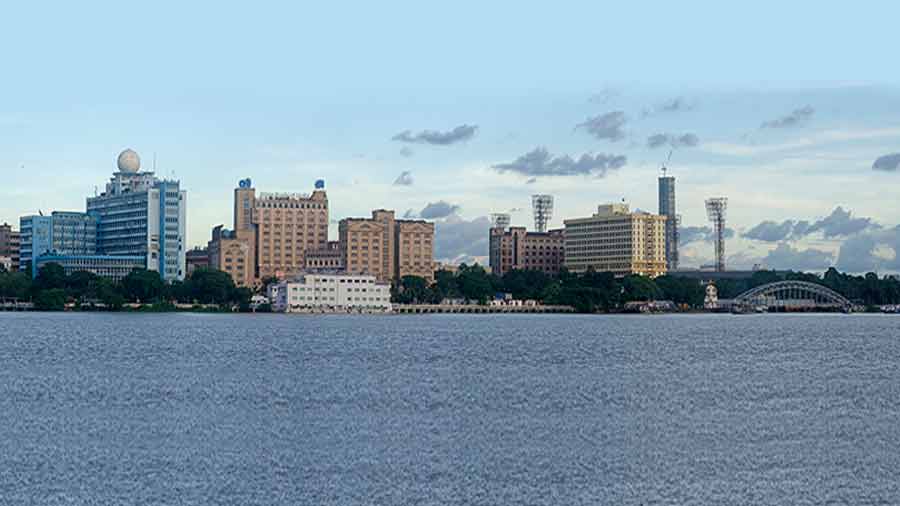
[667, 209]
[716, 210]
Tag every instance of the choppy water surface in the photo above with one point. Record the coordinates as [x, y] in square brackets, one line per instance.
[451, 409]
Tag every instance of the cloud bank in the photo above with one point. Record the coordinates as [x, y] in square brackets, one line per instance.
[687, 140]
[539, 162]
[459, 134]
[404, 179]
[607, 126]
[797, 117]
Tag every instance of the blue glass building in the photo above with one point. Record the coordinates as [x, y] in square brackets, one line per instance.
[62, 232]
[140, 215]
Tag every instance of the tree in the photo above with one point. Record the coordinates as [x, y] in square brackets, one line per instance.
[50, 276]
[212, 286]
[681, 290]
[639, 288]
[413, 290]
[525, 284]
[53, 299]
[15, 285]
[109, 294]
[142, 285]
[474, 283]
[82, 285]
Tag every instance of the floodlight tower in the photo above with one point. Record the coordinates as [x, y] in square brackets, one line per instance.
[542, 206]
[500, 220]
[716, 210]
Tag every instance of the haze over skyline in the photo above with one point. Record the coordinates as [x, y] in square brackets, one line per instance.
[788, 110]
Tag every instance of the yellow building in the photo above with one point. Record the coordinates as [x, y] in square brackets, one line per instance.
[617, 240]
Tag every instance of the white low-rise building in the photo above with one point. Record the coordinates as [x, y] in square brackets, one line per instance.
[314, 293]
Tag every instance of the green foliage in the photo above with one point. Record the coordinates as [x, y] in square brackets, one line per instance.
[53, 299]
[50, 276]
[15, 285]
[414, 290]
[141, 285]
[211, 286]
[474, 283]
[681, 291]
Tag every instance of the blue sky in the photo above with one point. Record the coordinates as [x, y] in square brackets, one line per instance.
[286, 93]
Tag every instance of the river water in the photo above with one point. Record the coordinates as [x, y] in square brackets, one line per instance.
[449, 409]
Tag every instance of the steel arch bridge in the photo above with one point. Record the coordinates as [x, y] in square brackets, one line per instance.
[793, 295]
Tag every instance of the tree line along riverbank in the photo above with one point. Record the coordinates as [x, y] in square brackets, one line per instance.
[213, 290]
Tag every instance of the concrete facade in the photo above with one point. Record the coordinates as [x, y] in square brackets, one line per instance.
[10, 247]
[141, 215]
[516, 248]
[330, 293]
[234, 252]
[387, 248]
[618, 241]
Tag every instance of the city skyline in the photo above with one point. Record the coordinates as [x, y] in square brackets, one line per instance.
[794, 149]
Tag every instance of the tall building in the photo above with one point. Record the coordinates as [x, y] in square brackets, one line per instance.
[387, 248]
[717, 212]
[234, 252]
[414, 250]
[10, 245]
[618, 241]
[140, 215]
[273, 234]
[516, 248]
[287, 226]
[667, 209]
[62, 233]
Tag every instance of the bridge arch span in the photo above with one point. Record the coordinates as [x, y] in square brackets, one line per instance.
[793, 294]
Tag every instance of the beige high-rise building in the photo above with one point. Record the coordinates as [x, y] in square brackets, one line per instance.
[617, 240]
[386, 247]
[414, 249]
[278, 228]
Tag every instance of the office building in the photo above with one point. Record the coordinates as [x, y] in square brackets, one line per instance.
[618, 241]
[60, 233]
[414, 251]
[387, 248]
[111, 267]
[330, 293]
[515, 248]
[667, 209]
[286, 226]
[10, 245]
[141, 215]
[197, 258]
[234, 252]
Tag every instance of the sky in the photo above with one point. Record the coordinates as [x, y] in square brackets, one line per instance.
[451, 112]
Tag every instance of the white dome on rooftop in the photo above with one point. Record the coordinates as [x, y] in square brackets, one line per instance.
[129, 161]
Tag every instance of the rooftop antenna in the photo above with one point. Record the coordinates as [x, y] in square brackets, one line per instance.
[154, 161]
[663, 169]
